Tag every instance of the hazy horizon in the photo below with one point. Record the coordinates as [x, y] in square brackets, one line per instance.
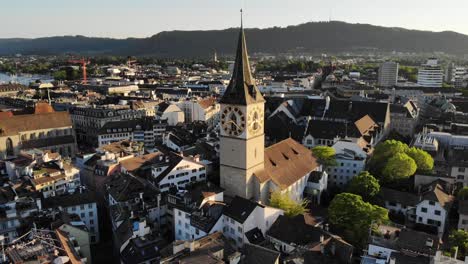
[144, 18]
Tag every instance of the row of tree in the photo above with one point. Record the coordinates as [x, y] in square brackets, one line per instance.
[394, 160]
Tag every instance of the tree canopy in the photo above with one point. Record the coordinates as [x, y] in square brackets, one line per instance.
[351, 214]
[398, 167]
[394, 160]
[365, 185]
[459, 238]
[290, 206]
[325, 155]
[424, 160]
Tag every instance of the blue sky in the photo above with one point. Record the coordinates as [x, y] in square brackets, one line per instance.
[143, 18]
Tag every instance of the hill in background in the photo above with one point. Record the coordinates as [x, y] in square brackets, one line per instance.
[310, 37]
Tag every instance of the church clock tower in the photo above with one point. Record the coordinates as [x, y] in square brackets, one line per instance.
[242, 139]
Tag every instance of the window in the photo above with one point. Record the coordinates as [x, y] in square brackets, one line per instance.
[424, 209]
[232, 230]
[461, 169]
[186, 225]
[91, 222]
[202, 176]
[82, 207]
[91, 213]
[431, 202]
[239, 229]
[239, 239]
[460, 177]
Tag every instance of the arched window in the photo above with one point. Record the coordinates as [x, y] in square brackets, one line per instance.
[9, 147]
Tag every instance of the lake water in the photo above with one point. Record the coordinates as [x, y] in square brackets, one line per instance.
[24, 79]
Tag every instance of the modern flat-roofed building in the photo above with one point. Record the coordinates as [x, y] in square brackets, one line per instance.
[388, 74]
[430, 74]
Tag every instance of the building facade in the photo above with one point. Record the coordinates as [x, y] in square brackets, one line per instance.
[431, 74]
[388, 74]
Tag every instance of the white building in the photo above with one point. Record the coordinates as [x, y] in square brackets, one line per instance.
[197, 212]
[431, 74]
[388, 74]
[430, 207]
[167, 169]
[170, 112]
[209, 214]
[82, 204]
[242, 216]
[206, 110]
[351, 160]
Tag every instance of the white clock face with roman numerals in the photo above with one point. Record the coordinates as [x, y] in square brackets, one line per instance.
[233, 121]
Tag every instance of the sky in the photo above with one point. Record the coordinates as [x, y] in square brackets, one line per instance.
[144, 18]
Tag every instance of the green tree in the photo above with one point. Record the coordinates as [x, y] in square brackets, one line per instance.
[459, 238]
[383, 152]
[365, 185]
[463, 194]
[60, 75]
[355, 217]
[423, 160]
[290, 206]
[398, 167]
[325, 155]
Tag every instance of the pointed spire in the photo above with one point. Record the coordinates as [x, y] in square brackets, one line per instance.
[242, 89]
[242, 24]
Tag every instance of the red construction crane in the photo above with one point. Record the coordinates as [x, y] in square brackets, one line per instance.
[83, 63]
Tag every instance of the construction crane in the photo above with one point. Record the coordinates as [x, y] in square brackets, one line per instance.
[83, 63]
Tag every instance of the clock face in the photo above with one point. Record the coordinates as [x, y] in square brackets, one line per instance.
[255, 121]
[233, 121]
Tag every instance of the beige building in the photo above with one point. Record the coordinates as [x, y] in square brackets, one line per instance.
[246, 168]
[205, 109]
[45, 129]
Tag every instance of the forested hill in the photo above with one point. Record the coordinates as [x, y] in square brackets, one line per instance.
[309, 37]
